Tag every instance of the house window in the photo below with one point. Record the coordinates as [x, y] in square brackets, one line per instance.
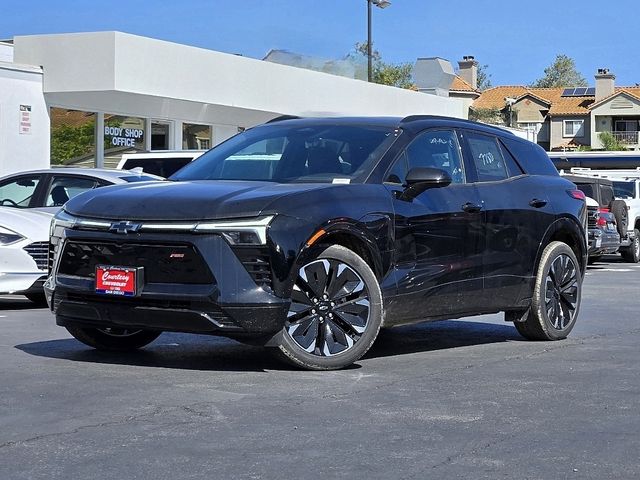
[573, 128]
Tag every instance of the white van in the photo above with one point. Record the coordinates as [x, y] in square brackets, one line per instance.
[162, 162]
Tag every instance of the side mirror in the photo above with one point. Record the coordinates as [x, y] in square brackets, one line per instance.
[420, 179]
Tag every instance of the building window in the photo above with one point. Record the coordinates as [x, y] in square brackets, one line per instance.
[73, 139]
[573, 128]
[196, 137]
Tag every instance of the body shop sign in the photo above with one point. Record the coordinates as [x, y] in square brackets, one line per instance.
[123, 137]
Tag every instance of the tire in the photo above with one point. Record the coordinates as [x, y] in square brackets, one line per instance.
[37, 298]
[619, 210]
[632, 253]
[335, 314]
[113, 340]
[556, 295]
[593, 259]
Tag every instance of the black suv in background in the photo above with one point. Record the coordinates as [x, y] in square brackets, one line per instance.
[308, 235]
[606, 221]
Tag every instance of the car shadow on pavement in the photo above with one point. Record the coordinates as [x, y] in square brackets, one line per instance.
[446, 334]
[196, 352]
[170, 350]
[18, 303]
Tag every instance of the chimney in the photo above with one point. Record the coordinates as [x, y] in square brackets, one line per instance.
[605, 84]
[468, 70]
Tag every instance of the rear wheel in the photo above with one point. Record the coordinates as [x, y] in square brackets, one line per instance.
[632, 253]
[113, 339]
[556, 296]
[335, 313]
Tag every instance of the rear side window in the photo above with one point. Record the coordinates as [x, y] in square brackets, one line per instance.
[607, 194]
[512, 164]
[64, 188]
[533, 159]
[487, 157]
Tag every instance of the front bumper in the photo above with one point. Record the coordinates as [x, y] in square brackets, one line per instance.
[18, 270]
[232, 304]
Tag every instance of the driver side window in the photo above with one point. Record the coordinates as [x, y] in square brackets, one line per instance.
[432, 148]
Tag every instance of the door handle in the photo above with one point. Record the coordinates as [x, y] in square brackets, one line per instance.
[471, 207]
[537, 203]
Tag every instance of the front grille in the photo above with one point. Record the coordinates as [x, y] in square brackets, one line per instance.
[258, 264]
[50, 257]
[39, 251]
[161, 263]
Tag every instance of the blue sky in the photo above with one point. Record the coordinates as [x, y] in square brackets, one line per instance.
[517, 39]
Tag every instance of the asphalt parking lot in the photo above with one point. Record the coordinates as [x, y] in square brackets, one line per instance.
[455, 399]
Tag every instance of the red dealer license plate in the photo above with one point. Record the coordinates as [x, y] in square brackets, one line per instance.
[116, 280]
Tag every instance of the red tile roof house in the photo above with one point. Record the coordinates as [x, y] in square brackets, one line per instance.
[565, 118]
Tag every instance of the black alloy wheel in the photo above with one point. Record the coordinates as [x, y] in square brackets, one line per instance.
[556, 296]
[335, 312]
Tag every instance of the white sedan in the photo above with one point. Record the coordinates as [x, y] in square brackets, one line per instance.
[24, 248]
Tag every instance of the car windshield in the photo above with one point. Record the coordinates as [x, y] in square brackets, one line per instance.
[294, 153]
[624, 189]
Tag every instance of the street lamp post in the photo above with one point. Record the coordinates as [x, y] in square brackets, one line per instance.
[379, 4]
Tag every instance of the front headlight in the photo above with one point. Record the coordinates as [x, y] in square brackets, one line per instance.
[239, 232]
[60, 221]
[7, 237]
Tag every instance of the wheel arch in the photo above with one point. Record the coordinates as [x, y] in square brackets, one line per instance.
[350, 236]
[569, 231]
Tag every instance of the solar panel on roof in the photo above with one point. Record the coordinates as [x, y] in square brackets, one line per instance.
[567, 92]
[579, 92]
[591, 91]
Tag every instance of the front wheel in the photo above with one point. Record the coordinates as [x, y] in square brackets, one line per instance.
[113, 339]
[556, 296]
[335, 313]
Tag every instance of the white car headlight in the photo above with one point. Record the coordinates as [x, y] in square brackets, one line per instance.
[7, 237]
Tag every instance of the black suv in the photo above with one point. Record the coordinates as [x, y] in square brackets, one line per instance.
[309, 235]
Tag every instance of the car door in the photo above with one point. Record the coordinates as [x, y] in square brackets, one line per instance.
[438, 262]
[517, 215]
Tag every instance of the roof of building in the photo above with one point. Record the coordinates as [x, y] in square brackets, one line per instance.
[461, 85]
[558, 105]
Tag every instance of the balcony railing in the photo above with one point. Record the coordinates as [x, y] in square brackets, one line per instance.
[627, 138]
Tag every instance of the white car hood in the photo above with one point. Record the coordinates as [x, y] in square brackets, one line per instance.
[30, 224]
[591, 202]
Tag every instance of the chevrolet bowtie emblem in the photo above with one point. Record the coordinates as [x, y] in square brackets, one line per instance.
[124, 227]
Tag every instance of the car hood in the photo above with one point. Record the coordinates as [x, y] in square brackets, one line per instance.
[189, 200]
[31, 224]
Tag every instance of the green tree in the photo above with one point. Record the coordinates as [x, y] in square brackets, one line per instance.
[561, 73]
[393, 74]
[71, 142]
[484, 78]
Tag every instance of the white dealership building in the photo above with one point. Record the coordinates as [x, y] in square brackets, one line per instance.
[89, 97]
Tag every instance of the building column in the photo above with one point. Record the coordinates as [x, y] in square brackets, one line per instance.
[176, 137]
[99, 136]
[147, 134]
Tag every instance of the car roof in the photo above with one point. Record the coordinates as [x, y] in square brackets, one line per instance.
[585, 179]
[108, 174]
[412, 121]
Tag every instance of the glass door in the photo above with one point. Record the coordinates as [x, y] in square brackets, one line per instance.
[160, 132]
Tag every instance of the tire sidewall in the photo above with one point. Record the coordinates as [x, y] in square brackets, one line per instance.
[550, 254]
[296, 355]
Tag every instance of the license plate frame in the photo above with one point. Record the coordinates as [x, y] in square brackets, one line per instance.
[118, 281]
